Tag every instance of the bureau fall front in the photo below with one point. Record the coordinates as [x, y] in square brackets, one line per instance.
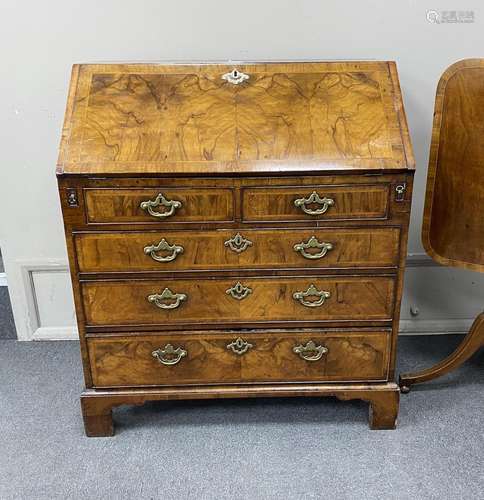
[236, 231]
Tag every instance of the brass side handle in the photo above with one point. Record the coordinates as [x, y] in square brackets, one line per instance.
[310, 351]
[163, 246]
[238, 243]
[239, 346]
[312, 291]
[169, 355]
[313, 242]
[239, 291]
[313, 199]
[167, 299]
[171, 205]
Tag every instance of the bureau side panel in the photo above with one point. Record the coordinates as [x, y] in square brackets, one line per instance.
[72, 205]
[401, 209]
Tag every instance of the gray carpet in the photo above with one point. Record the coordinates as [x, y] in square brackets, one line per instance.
[238, 449]
[7, 325]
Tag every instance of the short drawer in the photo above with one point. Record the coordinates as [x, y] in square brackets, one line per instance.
[302, 203]
[237, 300]
[231, 357]
[121, 206]
[229, 249]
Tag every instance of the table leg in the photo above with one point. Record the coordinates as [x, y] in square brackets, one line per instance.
[471, 343]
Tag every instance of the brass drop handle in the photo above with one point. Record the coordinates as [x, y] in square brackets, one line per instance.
[312, 199]
[169, 355]
[310, 351]
[313, 243]
[171, 205]
[167, 295]
[312, 291]
[163, 246]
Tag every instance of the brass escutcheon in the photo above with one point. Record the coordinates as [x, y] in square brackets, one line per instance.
[238, 243]
[239, 291]
[239, 346]
[235, 77]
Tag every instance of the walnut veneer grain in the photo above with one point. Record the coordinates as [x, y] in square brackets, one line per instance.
[264, 248]
[186, 119]
[127, 361]
[108, 303]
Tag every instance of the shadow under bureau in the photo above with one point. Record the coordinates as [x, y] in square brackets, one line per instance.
[236, 232]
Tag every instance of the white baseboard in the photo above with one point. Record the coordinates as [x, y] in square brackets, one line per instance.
[420, 260]
[56, 333]
[434, 327]
[31, 321]
[36, 308]
[407, 328]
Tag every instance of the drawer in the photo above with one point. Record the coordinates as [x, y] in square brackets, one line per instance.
[239, 357]
[302, 203]
[237, 300]
[226, 249]
[152, 205]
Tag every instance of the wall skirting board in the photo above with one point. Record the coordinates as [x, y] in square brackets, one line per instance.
[42, 302]
[55, 333]
[418, 326]
[437, 300]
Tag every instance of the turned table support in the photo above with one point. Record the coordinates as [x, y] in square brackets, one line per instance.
[470, 345]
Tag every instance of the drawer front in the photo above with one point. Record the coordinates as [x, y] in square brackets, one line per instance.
[121, 206]
[302, 203]
[249, 249]
[232, 358]
[237, 300]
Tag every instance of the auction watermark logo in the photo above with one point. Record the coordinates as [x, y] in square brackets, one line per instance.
[450, 16]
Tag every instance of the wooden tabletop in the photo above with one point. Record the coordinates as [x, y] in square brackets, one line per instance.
[453, 223]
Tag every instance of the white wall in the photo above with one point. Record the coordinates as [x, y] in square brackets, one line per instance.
[40, 40]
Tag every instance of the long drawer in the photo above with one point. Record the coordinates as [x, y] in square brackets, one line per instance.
[248, 249]
[237, 357]
[244, 300]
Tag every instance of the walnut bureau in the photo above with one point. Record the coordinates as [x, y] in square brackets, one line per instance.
[236, 231]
